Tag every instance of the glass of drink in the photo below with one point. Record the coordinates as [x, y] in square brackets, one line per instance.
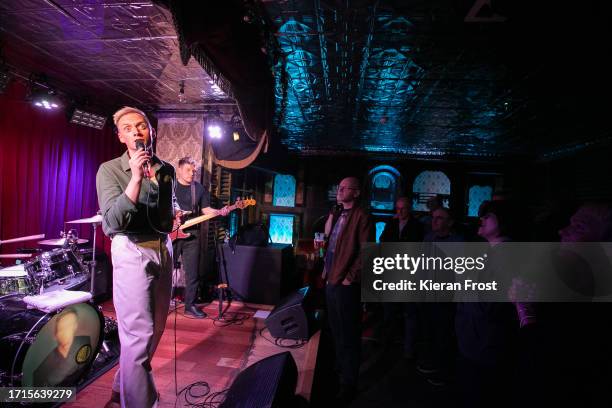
[319, 242]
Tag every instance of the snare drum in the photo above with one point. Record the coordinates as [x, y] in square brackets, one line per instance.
[13, 280]
[47, 349]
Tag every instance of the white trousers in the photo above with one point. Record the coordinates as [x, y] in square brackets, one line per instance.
[142, 282]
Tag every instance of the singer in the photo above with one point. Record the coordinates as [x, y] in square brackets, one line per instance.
[137, 213]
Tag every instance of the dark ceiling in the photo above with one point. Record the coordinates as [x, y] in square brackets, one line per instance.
[442, 79]
[114, 52]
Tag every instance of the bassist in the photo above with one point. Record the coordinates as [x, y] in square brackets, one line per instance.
[193, 197]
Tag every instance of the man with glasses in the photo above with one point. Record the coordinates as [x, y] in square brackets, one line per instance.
[350, 226]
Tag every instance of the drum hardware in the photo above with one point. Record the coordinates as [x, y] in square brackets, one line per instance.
[94, 221]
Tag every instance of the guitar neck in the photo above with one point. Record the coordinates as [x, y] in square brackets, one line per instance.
[205, 217]
[197, 220]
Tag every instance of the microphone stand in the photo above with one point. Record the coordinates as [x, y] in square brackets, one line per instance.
[221, 286]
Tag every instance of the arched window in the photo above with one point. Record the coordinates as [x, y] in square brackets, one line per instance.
[284, 190]
[384, 182]
[476, 195]
[430, 184]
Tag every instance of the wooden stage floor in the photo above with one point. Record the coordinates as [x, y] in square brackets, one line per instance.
[207, 350]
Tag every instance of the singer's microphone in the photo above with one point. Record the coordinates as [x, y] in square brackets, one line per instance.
[145, 166]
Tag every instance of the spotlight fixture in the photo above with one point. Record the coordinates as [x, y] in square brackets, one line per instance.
[214, 131]
[214, 125]
[81, 117]
[46, 99]
[42, 94]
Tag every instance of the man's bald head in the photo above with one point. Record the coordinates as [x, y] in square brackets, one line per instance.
[348, 191]
[352, 181]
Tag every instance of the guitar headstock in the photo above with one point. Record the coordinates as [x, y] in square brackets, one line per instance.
[246, 202]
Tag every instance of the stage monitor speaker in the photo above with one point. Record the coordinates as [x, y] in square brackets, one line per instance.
[293, 317]
[259, 274]
[252, 235]
[270, 383]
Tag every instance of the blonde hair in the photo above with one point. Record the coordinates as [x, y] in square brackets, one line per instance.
[128, 109]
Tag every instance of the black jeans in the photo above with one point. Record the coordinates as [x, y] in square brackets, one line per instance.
[190, 249]
[344, 314]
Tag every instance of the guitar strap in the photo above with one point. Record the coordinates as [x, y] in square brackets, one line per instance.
[193, 203]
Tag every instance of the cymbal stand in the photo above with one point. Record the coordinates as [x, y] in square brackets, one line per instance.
[92, 264]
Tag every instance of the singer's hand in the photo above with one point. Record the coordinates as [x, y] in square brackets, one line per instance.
[136, 161]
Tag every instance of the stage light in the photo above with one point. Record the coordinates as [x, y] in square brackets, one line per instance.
[81, 117]
[46, 99]
[214, 131]
[215, 125]
[236, 124]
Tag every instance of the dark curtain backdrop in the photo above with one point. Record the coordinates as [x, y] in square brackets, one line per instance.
[47, 169]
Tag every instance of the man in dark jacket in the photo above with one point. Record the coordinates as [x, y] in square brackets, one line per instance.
[402, 228]
[350, 227]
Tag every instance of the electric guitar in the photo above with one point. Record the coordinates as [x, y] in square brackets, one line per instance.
[178, 232]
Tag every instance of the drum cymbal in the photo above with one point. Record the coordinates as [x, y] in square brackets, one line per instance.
[61, 241]
[91, 220]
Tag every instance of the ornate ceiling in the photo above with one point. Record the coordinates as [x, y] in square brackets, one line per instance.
[114, 52]
[441, 79]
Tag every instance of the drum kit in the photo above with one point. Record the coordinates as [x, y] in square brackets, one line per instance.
[30, 338]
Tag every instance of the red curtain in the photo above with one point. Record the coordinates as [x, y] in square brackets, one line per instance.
[47, 169]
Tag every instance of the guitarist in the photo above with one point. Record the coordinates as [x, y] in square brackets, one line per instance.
[191, 196]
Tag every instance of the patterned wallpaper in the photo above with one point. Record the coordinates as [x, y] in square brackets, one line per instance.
[179, 136]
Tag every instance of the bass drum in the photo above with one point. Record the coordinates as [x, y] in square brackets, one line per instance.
[47, 349]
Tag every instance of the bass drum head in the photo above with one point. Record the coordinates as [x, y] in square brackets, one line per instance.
[64, 348]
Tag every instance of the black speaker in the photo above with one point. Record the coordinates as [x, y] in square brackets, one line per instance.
[259, 274]
[252, 235]
[270, 383]
[293, 317]
[103, 288]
